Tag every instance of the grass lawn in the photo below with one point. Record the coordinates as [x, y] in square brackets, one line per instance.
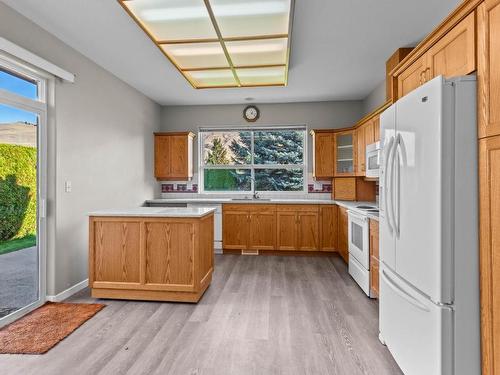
[17, 244]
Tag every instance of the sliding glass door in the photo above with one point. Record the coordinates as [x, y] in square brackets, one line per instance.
[22, 191]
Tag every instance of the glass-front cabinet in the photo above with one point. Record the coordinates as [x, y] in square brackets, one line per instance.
[344, 153]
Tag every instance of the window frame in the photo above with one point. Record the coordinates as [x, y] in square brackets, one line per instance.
[252, 166]
[40, 106]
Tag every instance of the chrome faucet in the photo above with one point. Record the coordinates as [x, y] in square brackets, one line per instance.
[255, 194]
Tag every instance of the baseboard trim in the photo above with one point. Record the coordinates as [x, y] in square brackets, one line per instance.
[69, 292]
[284, 252]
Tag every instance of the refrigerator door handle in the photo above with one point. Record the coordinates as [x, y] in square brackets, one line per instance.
[412, 300]
[390, 202]
[396, 208]
[386, 195]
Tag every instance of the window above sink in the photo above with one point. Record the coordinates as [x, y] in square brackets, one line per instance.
[244, 160]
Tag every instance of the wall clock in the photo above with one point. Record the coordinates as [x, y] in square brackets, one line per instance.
[251, 113]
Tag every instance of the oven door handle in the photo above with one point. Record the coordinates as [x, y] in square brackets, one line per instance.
[357, 215]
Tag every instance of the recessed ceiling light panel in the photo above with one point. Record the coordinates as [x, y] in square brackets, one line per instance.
[220, 43]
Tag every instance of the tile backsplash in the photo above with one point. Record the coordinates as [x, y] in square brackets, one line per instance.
[172, 187]
[181, 187]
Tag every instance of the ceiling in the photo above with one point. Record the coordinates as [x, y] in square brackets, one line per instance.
[339, 47]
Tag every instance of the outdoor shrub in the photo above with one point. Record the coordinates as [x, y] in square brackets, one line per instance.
[18, 189]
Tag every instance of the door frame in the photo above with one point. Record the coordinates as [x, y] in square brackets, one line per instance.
[39, 107]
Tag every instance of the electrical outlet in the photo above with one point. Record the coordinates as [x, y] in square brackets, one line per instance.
[67, 186]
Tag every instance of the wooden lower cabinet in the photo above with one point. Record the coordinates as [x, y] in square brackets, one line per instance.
[298, 227]
[262, 229]
[287, 230]
[489, 224]
[308, 229]
[236, 224]
[374, 278]
[247, 226]
[146, 258]
[328, 231]
[280, 227]
[343, 236]
[374, 258]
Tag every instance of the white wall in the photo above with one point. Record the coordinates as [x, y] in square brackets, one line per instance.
[317, 115]
[375, 98]
[102, 142]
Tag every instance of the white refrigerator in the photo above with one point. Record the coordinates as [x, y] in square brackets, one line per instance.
[429, 273]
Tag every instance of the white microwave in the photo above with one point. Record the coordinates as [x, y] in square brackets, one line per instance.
[373, 160]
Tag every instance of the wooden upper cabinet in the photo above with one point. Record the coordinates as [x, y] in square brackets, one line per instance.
[412, 77]
[488, 70]
[376, 128]
[454, 54]
[328, 222]
[174, 156]
[360, 150]
[369, 134]
[390, 64]
[323, 160]
[345, 153]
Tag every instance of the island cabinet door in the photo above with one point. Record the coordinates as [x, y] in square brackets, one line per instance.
[263, 228]
[235, 228]
[169, 255]
[114, 252]
[287, 222]
[308, 222]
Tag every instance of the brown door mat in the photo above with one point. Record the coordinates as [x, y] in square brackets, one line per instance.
[42, 329]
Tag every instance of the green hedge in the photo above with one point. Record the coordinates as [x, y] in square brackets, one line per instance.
[17, 191]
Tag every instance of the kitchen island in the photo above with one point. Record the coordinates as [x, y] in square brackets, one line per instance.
[151, 253]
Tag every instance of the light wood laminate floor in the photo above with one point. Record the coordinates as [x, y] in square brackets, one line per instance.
[261, 315]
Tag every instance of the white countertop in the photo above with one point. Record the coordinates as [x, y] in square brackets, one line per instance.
[242, 201]
[350, 205]
[156, 212]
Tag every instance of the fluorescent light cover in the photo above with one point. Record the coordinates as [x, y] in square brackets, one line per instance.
[220, 43]
[229, 10]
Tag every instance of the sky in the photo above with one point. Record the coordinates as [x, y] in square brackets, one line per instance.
[20, 87]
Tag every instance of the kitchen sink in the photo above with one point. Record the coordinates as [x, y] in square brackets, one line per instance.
[251, 199]
[366, 207]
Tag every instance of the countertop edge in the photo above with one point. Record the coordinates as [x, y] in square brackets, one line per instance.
[120, 213]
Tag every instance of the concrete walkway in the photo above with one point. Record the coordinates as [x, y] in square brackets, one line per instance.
[18, 279]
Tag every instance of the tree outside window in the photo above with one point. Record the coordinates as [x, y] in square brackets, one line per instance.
[235, 160]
